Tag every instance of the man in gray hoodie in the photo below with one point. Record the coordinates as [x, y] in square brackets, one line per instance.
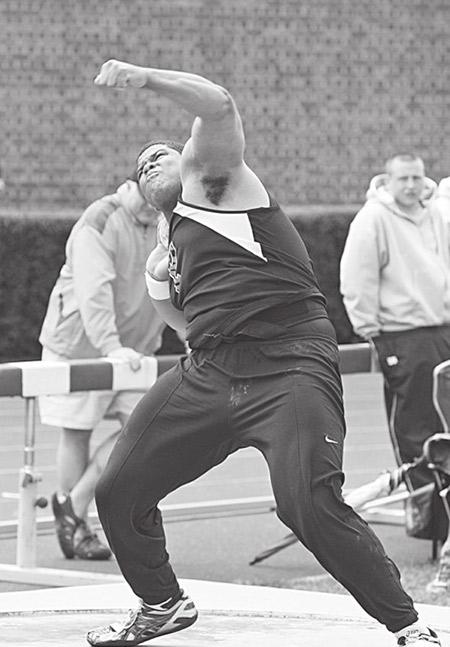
[395, 282]
[99, 307]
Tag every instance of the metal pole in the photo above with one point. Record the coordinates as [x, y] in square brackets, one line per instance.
[28, 480]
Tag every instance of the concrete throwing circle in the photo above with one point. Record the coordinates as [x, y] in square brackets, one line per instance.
[69, 628]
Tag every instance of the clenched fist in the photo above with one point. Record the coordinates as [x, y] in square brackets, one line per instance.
[118, 74]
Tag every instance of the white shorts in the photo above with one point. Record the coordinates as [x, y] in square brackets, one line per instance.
[84, 409]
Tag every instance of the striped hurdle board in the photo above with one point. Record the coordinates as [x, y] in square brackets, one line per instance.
[33, 378]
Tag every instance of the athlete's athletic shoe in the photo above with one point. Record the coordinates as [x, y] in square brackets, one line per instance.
[75, 537]
[147, 622]
[87, 545]
[417, 638]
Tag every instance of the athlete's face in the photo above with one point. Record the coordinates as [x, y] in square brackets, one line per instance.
[158, 172]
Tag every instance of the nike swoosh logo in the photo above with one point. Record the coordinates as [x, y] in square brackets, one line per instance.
[330, 440]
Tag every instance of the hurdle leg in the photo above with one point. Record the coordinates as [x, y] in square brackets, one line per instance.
[28, 499]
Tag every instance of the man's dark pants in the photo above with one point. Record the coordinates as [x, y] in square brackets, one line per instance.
[407, 359]
[282, 397]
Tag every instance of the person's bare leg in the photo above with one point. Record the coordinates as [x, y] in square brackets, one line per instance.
[82, 493]
[83, 490]
[72, 458]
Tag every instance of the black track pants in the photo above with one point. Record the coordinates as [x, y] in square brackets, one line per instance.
[283, 398]
[407, 360]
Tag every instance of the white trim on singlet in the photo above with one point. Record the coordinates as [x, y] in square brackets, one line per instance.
[233, 225]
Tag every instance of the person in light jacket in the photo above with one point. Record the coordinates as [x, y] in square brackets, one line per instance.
[99, 307]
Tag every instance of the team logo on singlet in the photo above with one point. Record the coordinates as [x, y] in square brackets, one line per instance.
[173, 262]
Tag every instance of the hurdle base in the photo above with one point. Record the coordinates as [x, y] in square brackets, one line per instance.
[54, 577]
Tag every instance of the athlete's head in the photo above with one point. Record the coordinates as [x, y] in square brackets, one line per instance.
[170, 143]
[158, 173]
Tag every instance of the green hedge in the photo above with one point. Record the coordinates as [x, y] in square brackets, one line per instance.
[32, 252]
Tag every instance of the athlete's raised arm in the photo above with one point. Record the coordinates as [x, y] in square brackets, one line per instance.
[217, 138]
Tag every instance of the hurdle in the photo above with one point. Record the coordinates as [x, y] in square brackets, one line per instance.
[31, 379]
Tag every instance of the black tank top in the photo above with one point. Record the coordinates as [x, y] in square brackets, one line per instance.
[239, 273]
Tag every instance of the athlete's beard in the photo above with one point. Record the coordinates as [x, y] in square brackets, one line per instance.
[162, 195]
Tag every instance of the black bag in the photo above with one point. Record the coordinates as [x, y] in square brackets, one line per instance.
[425, 516]
[419, 512]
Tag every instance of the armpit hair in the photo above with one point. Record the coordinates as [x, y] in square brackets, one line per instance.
[215, 187]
